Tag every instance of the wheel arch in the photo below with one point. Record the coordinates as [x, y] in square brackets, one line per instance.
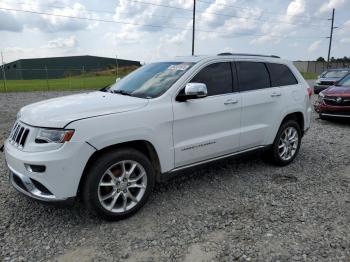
[298, 117]
[142, 146]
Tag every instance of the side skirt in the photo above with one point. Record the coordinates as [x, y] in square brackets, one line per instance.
[178, 171]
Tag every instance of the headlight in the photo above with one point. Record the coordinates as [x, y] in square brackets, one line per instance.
[53, 136]
[320, 97]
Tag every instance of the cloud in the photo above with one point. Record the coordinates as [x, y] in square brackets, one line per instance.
[315, 46]
[56, 47]
[62, 43]
[233, 21]
[141, 14]
[345, 40]
[9, 22]
[330, 4]
[129, 34]
[16, 21]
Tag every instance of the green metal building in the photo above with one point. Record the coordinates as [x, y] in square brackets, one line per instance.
[57, 67]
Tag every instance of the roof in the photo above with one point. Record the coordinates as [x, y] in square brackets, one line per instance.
[197, 58]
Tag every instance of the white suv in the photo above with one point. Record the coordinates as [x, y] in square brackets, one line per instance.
[111, 146]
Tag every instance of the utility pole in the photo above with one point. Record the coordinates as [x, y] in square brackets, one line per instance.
[194, 25]
[117, 68]
[3, 71]
[331, 37]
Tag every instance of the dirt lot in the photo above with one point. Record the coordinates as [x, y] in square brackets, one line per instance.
[241, 209]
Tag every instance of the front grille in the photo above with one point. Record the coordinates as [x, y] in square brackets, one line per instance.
[19, 135]
[337, 101]
[327, 83]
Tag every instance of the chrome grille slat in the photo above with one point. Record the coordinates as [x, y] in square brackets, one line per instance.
[332, 101]
[15, 134]
[19, 135]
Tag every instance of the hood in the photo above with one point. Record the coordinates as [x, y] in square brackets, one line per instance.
[58, 112]
[328, 79]
[337, 91]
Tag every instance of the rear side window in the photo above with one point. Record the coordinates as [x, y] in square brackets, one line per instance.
[281, 75]
[252, 76]
[217, 77]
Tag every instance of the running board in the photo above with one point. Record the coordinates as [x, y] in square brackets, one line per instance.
[215, 159]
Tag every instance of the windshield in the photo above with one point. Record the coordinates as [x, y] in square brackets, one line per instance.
[151, 80]
[345, 81]
[335, 74]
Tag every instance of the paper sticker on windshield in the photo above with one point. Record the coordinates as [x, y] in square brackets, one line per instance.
[179, 67]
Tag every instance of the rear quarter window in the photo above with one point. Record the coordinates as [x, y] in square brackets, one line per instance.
[281, 75]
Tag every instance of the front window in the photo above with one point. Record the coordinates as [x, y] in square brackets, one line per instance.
[151, 80]
[335, 74]
[345, 81]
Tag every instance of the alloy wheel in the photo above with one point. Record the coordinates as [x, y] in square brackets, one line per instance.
[288, 143]
[122, 186]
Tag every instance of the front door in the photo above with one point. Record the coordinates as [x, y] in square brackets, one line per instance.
[208, 127]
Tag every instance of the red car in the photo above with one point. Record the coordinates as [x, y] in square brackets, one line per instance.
[334, 102]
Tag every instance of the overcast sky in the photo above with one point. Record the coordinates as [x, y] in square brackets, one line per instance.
[294, 30]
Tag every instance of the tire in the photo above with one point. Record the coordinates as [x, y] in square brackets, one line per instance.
[116, 176]
[321, 116]
[275, 153]
[316, 91]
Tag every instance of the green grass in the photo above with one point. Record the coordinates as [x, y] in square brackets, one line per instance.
[59, 84]
[88, 81]
[309, 76]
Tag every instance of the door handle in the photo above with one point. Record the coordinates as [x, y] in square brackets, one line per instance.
[231, 102]
[275, 94]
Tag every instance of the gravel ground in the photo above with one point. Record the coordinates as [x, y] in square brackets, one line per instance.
[240, 209]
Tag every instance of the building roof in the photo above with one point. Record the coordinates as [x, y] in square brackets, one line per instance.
[66, 57]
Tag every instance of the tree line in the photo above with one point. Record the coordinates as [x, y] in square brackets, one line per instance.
[345, 59]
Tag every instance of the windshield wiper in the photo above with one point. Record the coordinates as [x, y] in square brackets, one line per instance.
[122, 92]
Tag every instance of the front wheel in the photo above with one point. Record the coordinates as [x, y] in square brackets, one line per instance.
[286, 144]
[118, 184]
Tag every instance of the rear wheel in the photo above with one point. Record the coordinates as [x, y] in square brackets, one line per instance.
[118, 184]
[286, 144]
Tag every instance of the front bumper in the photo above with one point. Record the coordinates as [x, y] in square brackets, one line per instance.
[25, 185]
[332, 111]
[60, 179]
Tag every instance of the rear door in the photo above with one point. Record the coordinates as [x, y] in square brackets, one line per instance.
[261, 103]
[208, 127]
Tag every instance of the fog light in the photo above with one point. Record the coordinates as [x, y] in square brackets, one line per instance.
[35, 168]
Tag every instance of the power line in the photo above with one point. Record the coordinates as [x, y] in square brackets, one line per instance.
[220, 14]
[89, 18]
[187, 9]
[95, 11]
[156, 26]
[248, 8]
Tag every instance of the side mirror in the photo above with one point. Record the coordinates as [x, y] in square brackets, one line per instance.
[193, 91]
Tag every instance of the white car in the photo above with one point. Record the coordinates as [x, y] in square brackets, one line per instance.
[111, 146]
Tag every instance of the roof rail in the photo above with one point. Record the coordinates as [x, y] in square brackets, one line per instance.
[243, 54]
